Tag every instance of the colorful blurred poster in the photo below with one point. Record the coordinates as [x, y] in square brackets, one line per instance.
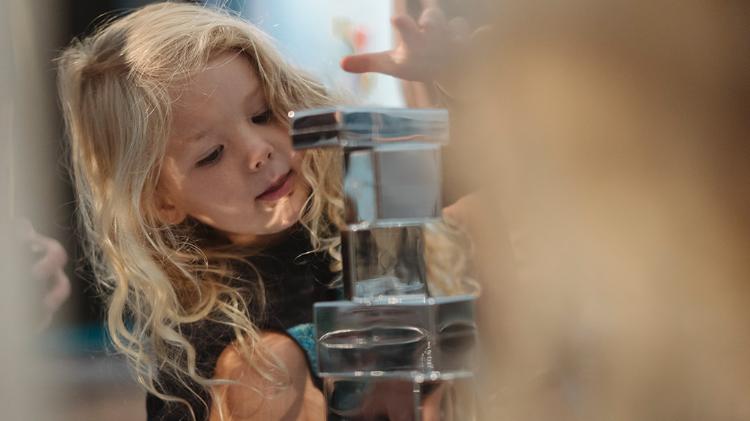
[315, 35]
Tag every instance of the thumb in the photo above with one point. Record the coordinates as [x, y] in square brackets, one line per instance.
[369, 62]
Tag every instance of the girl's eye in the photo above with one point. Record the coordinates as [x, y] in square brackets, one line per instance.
[263, 118]
[211, 158]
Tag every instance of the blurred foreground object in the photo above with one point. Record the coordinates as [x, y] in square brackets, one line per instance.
[612, 143]
[27, 155]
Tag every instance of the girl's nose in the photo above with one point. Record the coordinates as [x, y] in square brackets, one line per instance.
[260, 154]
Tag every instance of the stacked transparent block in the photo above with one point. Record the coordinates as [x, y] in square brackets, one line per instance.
[398, 347]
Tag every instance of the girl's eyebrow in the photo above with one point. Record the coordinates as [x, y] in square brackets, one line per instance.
[198, 136]
[190, 143]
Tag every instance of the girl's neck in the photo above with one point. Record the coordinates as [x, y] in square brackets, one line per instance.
[261, 241]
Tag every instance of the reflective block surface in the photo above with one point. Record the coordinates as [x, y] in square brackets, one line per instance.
[434, 335]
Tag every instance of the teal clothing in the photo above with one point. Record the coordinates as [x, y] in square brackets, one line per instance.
[304, 335]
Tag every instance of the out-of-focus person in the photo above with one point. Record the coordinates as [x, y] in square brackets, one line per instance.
[614, 157]
[610, 141]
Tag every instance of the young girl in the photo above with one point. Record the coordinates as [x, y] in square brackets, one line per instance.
[211, 236]
[183, 169]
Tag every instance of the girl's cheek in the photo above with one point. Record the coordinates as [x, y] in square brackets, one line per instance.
[296, 159]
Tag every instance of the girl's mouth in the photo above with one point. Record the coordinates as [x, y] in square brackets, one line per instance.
[281, 188]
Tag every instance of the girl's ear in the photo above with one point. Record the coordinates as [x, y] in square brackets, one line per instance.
[167, 210]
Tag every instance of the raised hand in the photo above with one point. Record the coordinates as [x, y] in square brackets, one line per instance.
[426, 48]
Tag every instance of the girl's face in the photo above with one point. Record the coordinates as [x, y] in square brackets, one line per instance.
[228, 162]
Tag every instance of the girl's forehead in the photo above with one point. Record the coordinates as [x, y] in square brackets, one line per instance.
[226, 88]
[228, 74]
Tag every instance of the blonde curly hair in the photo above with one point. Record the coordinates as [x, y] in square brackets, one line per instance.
[114, 89]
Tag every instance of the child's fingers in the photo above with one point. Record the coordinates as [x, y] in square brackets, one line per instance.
[59, 292]
[369, 62]
[433, 19]
[407, 29]
[54, 258]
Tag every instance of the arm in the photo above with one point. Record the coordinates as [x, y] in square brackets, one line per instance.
[257, 398]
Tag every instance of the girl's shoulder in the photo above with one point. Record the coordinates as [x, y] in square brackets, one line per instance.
[299, 395]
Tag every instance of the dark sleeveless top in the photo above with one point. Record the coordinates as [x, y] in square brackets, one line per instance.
[294, 280]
